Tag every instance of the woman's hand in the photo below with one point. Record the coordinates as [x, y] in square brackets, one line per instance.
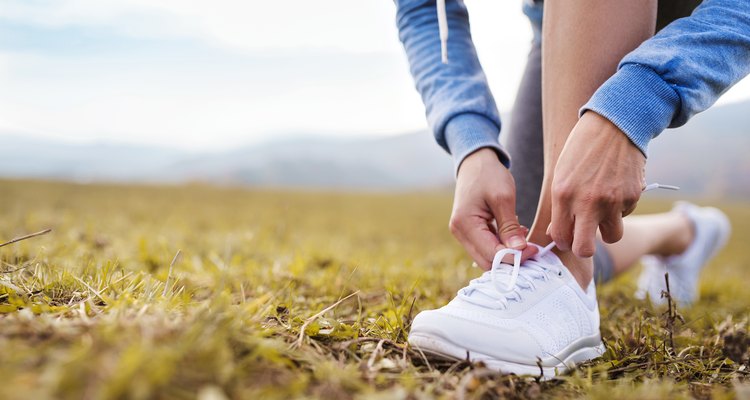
[484, 209]
[598, 180]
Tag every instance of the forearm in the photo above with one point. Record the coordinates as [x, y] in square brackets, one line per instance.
[679, 72]
[460, 108]
[582, 45]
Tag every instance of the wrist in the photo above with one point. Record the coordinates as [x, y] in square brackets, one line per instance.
[483, 157]
[609, 132]
[467, 133]
[639, 102]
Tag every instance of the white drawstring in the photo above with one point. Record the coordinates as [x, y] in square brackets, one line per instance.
[443, 28]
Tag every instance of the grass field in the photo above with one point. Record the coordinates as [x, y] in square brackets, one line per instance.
[251, 307]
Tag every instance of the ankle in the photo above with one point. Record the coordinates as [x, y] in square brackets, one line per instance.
[582, 269]
[683, 233]
[538, 236]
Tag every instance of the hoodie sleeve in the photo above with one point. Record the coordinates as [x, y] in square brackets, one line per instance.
[460, 108]
[678, 73]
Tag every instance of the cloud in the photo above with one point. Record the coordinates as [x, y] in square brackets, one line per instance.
[245, 26]
[200, 74]
[192, 95]
[196, 74]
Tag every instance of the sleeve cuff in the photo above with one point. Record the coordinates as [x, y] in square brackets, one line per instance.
[467, 133]
[638, 101]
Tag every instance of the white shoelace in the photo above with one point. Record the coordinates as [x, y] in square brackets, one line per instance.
[505, 282]
[500, 285]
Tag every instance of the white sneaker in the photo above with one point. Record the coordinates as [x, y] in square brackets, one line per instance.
[514, 316]
[711, 228]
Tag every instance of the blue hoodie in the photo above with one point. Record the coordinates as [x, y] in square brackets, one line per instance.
[664, 82]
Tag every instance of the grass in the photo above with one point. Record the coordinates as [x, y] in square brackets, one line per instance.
[301, 295]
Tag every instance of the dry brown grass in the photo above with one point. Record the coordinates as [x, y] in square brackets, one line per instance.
[93, 311]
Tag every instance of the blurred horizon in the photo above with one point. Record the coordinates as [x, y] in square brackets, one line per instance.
[706, 158]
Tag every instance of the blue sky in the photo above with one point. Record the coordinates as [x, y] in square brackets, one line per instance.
[197, 75]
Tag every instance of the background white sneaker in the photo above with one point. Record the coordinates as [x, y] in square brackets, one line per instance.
[711, 228]
[515, 315]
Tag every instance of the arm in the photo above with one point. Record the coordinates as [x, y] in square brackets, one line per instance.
[669, 78]
[678, 73]
[460, 108]
[464, 118]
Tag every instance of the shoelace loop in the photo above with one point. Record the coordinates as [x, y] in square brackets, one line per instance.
[499, 286]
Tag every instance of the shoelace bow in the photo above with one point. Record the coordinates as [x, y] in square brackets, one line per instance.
[502, 284]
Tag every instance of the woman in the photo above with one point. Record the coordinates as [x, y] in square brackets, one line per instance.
[546, 309]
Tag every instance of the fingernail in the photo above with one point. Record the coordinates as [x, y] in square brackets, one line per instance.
[516, 242]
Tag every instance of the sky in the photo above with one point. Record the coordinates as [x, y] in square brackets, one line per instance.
[200, 75]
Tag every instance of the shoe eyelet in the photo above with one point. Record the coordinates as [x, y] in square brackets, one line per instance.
[559, 273]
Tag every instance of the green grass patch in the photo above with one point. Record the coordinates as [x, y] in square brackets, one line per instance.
[302, 295]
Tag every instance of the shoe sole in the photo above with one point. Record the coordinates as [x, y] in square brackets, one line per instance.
[559, 364]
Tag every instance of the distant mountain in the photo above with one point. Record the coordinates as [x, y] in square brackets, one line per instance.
[708, 156]
[394, 162]
[29, 157]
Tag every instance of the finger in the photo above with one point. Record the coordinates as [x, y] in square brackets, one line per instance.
[560, 228]
[612, 228]
[509, 230]
[584, 235]
[525, 231]
[528, 252]
[493, 229]
[477, 237]
[629, 208]
[630, 205]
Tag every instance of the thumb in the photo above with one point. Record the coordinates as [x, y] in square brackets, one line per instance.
[509, 230]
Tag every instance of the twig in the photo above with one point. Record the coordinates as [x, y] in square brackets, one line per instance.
[15, 267]
[459, 364]
[424, 357]
[316, 316]
[362, 339]
[670, 320]
[403, 354]
[374, 355]
[29, 236]
[672, 315]
[10, 286]
[96, 292]
[169, 274]
[541, 370]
